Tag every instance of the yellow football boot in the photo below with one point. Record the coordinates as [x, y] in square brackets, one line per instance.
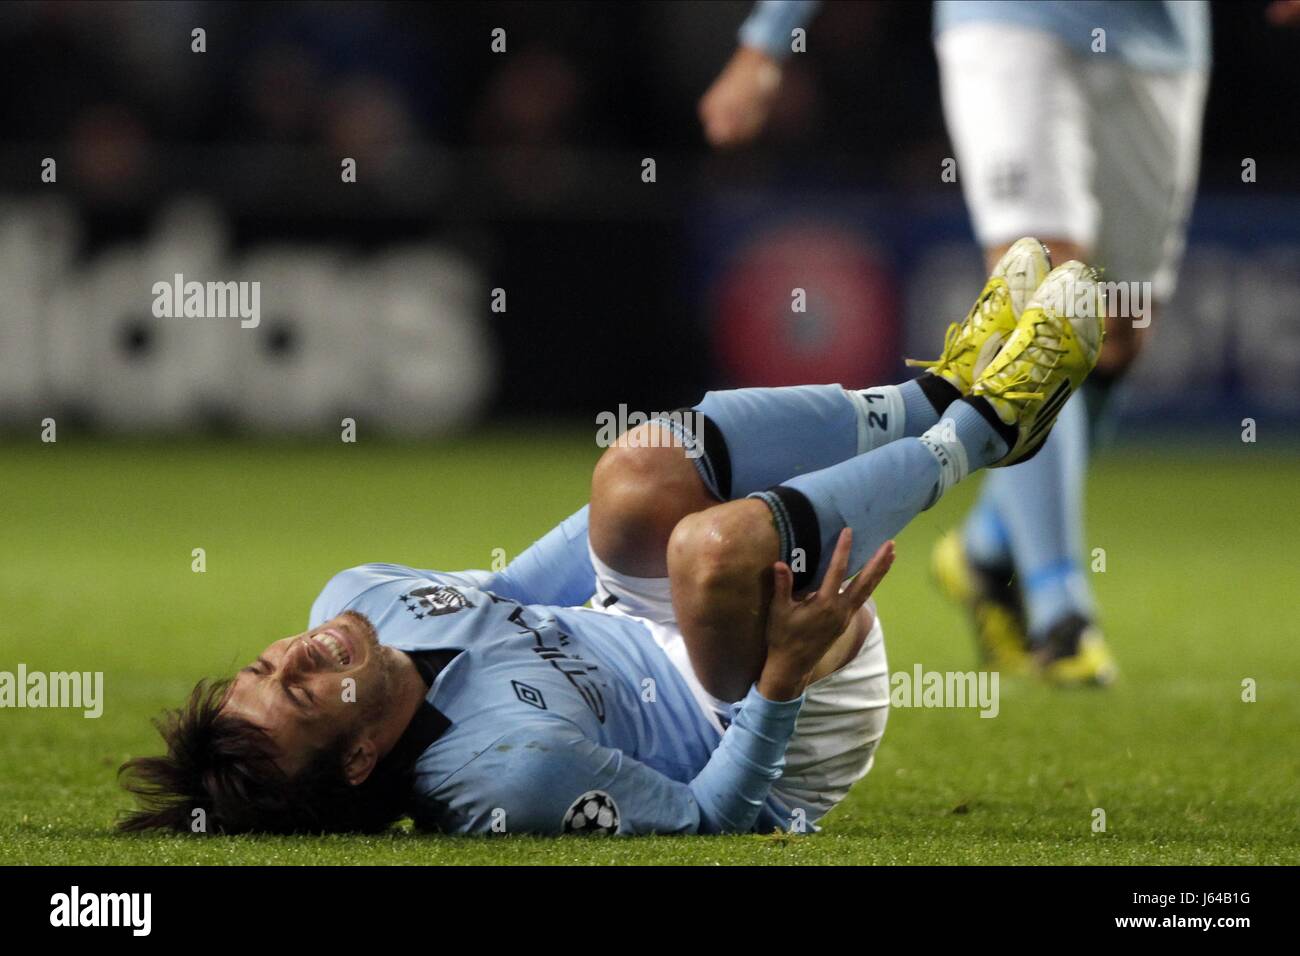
[1075, 655]
[1052, 350]
[971, 344]
[992, 603]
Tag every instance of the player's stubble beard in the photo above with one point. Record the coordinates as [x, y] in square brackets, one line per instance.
[374, 699]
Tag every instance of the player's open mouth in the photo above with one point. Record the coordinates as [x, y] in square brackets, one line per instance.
[336, 645]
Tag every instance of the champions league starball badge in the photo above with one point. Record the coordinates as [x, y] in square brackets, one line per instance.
[595, 812]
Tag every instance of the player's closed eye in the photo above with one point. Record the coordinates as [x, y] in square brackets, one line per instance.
[300, 696]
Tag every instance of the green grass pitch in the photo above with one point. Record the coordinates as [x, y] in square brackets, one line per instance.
[1198, 593]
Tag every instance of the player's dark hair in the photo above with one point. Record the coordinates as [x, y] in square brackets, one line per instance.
[224, 765]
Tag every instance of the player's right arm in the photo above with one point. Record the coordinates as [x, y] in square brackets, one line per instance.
[736, 107]
[556, 569]
[538, 777]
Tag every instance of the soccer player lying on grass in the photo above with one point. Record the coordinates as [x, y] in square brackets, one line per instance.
[722, 648]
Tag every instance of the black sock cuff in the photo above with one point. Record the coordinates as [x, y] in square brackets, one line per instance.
[799, 530]
[1008, 433]
[710, 455]
[938, 390]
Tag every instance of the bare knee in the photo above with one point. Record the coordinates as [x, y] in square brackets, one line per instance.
[720, 563]
[641, 488]
[716, 549]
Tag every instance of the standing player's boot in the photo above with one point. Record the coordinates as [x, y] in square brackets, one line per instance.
[972, 343]
[992, 602]
[1054, 347]
[1075, 654]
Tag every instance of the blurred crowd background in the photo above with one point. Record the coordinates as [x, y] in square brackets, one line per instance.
[521, 171]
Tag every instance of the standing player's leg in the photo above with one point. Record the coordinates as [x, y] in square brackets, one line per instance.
[1146, 133]
[1020, 125]
[1124, 192]
[1016, 561]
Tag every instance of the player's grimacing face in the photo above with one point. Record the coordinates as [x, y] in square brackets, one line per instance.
[298, 689]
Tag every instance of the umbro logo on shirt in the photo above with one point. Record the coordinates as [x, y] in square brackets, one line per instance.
[529, 694]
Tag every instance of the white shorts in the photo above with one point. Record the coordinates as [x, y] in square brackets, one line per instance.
[1054, 143]
[843, 714]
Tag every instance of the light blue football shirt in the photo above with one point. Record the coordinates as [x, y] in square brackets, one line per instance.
[551, 704]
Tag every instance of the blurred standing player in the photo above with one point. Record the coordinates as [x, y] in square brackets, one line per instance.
[1078, 122]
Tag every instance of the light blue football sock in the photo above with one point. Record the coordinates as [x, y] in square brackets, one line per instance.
[754, 438]
[1040, 504]
[877, 493]
[984, 537]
